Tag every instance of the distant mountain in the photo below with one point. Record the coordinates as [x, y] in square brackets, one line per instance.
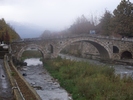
[26, 31]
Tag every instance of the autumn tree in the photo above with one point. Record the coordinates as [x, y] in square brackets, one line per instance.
[6, 38]
[123, 18]
[105, 23]
[2, 37]
[4, 27]
[12, 33]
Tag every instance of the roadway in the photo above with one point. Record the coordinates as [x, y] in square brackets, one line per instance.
[5, 87]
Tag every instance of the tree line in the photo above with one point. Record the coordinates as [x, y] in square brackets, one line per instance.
[118, 23]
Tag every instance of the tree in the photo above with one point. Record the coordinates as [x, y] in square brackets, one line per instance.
[123, 18]
[105, 23]
[11, 32]
[0, 40]
[7, 38]
[2, 37]
[81, 25]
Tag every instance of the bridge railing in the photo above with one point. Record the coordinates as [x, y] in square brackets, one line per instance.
[74, 36]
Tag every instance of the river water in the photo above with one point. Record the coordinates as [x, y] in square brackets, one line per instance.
[49, 88]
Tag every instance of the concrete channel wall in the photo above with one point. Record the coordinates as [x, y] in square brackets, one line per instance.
[15, 88]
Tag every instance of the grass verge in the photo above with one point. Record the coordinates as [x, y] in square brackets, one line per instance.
[85, 81]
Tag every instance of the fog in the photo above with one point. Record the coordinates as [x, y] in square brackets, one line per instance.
[51, 14]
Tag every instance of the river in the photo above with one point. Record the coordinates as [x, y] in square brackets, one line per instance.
[49, 88]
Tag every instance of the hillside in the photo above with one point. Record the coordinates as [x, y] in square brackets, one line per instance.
[7, 33]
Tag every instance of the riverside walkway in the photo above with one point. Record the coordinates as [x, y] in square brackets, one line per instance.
[5, 86]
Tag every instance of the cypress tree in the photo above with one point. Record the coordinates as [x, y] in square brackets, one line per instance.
[105, 23]
[123, 18]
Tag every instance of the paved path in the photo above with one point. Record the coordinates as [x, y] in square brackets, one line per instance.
[5, 87]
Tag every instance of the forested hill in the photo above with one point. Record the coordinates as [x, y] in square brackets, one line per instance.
[7, 33]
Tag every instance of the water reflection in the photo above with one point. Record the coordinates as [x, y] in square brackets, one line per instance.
[33, 61]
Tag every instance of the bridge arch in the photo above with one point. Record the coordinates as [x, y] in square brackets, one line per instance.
[30, 46]
[50, 48]
[126, 55]
[103, 48]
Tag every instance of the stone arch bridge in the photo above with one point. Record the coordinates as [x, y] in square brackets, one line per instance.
[109, 48]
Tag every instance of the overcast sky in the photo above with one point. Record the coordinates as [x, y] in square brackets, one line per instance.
[53, 14]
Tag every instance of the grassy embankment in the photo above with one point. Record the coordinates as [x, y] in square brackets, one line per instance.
[31, 54]
[90, 82]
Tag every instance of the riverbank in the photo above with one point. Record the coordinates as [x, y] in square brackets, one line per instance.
[85, 81]
[121, 69]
